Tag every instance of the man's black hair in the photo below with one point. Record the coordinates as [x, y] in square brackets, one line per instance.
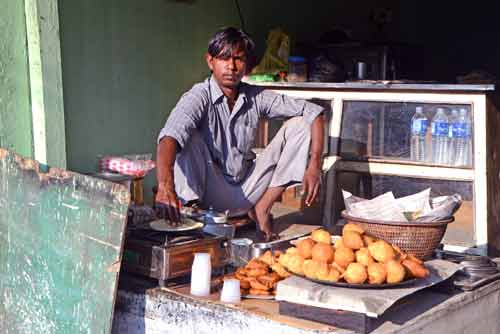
[227, 39]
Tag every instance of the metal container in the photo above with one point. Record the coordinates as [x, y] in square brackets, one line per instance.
[213, 217]
[259, 248]
[216, 224]
[240, 251]
[361, 71]
[291, 233]
[223, 230]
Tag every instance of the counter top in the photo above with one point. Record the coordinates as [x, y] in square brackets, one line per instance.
[149, 310]
[379, 85]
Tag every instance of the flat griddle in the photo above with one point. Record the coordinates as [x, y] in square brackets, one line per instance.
[164, 225]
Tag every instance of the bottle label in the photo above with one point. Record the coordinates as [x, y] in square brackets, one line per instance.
[419, 126]
[440, 129]
[460, 130]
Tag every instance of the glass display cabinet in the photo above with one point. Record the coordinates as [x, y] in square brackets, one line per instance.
[405, 138]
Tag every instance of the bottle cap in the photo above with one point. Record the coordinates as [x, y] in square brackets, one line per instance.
[296, 59]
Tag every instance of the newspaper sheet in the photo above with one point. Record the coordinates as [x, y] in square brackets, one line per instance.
[383, 207]
[418, 203]
[418, 207]
[442, 207]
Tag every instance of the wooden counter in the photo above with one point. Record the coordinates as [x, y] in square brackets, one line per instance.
[159, 310]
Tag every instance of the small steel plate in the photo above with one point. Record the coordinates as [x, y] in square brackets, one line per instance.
[189, 213]
[186, 224]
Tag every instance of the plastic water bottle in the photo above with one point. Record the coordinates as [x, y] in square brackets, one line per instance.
[452, 139]
[440, 132]
[419, 125]
[462, 135]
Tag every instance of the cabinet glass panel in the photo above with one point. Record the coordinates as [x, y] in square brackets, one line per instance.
[275, 124]
[425, 133]
[460, 232]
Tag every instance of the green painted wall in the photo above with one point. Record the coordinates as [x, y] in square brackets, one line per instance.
[15, 112]
[125, 64]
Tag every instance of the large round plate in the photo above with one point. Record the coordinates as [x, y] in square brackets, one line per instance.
[262, 297]
[186, 224]
[363, 286]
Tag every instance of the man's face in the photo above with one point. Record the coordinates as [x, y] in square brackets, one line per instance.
[228, 70]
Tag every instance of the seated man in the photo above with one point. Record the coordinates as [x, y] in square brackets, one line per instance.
[205, 148]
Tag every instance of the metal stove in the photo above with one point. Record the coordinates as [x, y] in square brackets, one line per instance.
[165, 256]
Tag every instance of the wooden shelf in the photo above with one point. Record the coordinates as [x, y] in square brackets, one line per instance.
[399, 169]
[405, 170]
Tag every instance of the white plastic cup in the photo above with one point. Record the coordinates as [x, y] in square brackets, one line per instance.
[201, 273]
[231, 291]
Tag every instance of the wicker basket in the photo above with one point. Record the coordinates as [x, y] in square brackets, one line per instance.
[419, 239]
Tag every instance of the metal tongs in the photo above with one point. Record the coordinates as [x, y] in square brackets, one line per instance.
[293, 232]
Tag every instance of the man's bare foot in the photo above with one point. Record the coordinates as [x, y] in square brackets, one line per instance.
[260, 213]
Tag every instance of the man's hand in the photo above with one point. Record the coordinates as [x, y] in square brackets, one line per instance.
[311, 183]
[312, 175]
[167, 203]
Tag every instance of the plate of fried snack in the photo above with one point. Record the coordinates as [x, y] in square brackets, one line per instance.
[355, 259]
[259, 277]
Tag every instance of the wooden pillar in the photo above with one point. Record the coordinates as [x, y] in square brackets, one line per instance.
[45, 80]
[15, 114]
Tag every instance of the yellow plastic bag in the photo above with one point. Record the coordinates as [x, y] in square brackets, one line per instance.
[275, 58]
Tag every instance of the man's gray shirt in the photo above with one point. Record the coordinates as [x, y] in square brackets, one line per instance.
[230, 136]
